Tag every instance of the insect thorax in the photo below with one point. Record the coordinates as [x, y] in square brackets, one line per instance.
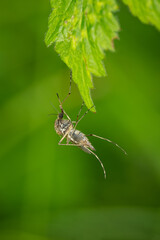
[62, 125]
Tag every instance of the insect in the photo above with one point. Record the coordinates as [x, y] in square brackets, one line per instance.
[67, 129]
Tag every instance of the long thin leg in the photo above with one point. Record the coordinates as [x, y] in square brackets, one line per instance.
[59, 101]
[66, 97]
[67, 115]
[79, 111]
[93, 135]
[68, 144]
[76, 122]
[63, 137]
[62, 107]
[69, 87]
[76, 145]
[82, 116]
[104, 171]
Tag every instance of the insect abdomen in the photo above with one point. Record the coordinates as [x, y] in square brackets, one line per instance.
[80, 139]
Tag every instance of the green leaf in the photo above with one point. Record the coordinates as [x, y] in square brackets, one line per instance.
[148, 11]
[81, 31]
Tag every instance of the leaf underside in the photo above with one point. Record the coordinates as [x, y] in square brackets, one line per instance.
[81, 31]
[148, 11]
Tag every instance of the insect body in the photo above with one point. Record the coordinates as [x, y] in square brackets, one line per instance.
[67, 129]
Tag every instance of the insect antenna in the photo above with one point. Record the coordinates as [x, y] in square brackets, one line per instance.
[93, 135]
[53, 114]
[104, 171]
[54, 107]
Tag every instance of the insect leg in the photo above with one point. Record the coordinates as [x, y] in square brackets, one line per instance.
[68, 140]
[59, 101]
[63, 138]
[80, 111]
[104, 171]
[62, 107]
[93, 135]
[78, 115]
[77, 145]
[69, 87]
[82, 116]
[67, 115]
[76, 122]
[67, 144]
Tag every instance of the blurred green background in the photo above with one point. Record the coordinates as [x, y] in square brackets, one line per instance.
[57, 192]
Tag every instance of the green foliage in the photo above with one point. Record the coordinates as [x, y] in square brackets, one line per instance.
[82, 30]
[148, 11]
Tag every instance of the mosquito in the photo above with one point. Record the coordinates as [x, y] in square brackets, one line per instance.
[67, 129]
